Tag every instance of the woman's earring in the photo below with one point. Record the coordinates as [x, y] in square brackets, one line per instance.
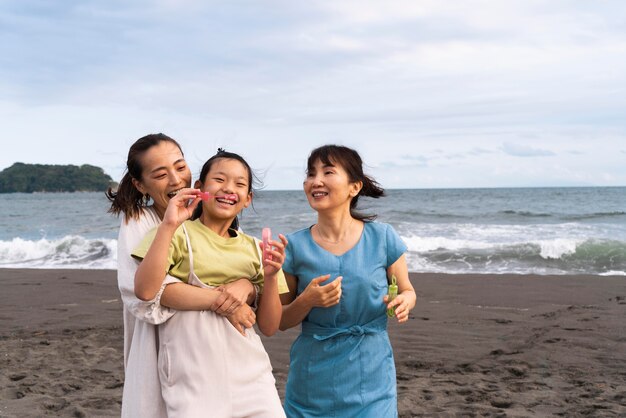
[146, 199]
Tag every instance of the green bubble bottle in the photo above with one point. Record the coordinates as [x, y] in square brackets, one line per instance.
[392, 293]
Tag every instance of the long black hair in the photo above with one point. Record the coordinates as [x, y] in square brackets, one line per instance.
[351, 162]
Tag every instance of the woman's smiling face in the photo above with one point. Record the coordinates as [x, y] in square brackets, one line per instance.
[328, 186]
[164, 173]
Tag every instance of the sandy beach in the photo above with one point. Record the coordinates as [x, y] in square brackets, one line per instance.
[476, 345]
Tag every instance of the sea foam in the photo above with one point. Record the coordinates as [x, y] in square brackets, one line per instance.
[71, 251]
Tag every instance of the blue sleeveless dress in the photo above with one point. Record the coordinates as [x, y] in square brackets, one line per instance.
[342, 363]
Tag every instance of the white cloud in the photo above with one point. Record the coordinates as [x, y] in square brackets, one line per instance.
[521, 150]
[483, 82]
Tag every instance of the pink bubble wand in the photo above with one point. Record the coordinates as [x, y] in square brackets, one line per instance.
[267, 236]
[207, 196]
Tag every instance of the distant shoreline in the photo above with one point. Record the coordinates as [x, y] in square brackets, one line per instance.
[29, 178]
[386, 188]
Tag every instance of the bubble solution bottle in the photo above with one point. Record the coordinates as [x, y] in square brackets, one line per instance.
[392, 293]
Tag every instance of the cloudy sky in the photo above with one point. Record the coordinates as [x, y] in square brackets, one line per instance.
[490, 93]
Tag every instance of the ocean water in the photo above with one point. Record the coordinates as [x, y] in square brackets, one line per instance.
[535, 230]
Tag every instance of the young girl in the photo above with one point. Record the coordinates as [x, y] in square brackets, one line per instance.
[338, 272]
[206, 365]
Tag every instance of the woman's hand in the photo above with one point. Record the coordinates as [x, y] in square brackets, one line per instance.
[225, 303]
[277, 250]
[241, 289]
[405, 301]
[322, 296]
[402, 305]
[242, 318]
[181, 207]
[315, 295]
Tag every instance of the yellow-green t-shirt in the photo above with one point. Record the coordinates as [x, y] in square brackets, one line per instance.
[216, 260]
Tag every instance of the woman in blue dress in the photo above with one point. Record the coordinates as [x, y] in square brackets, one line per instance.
[338, 272]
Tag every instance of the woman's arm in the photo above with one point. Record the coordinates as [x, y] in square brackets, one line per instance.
[130, 235]
[296, 308]
[405, 301]
[242, 289]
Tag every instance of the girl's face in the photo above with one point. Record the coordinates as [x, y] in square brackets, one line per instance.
[165, 172]
[328, 186]
[226, 176]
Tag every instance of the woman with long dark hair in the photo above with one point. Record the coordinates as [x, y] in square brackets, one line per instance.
[156, 172]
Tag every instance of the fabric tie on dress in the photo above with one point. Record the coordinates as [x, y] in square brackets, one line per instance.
[321, 333]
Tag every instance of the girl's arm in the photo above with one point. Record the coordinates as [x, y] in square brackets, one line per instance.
[176, 294]
[181, 296]
[296, 308]
[405, 301]
[151, 270]
[270, 310]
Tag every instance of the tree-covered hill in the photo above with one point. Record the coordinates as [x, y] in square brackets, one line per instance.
[28, 178]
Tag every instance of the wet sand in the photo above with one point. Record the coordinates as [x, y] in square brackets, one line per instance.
[476, 345]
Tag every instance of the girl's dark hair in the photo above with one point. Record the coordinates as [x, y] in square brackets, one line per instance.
[221, 154]
[349, 160]
[127, 199]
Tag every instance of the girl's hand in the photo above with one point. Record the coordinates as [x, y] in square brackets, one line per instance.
[277, 250]
[181, 207]
[242, 318]
[240, 289]
[402, 307]
[322, 296]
